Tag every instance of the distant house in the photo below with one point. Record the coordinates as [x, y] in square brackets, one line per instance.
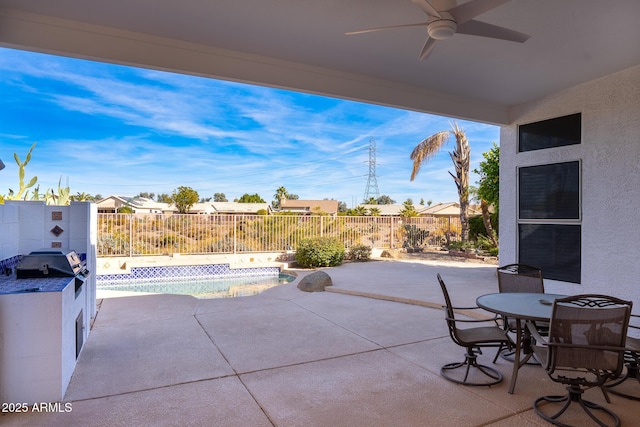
[391, 210]
[239, 208]
[309, 207]
[111, 204]
[450, 209]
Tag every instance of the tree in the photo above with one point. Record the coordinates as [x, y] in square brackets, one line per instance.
[357, 211]
[370, 201]
[205, 199]
[460, 157]
[184, 198]
[282, 193]
[219, 197]
[408, 210]
[147, 195]
[374, 212]
[342, 207]
[250, 198]
[385, 200]
[488, 191]
[83, 197]
[164, 198]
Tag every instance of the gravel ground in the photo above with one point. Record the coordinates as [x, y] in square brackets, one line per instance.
[434, 255]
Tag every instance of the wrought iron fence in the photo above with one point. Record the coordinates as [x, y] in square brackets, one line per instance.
[158, 234]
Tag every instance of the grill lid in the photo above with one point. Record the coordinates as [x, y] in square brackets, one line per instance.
[51, 263]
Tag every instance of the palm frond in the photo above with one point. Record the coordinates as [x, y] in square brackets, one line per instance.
[426, 149]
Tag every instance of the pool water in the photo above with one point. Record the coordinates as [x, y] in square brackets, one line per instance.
[201, 288]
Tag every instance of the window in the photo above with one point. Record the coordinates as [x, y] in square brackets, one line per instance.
[549, 191]
[555, 248]
[549, 202]
[550, 133]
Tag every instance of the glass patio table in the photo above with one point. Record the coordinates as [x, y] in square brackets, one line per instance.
[535, 307]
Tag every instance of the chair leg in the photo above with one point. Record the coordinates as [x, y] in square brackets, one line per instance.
[574, 395]
[471, 362]
[633, 373]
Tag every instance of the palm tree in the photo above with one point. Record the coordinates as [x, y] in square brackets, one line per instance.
[461, 156]
[281, 193]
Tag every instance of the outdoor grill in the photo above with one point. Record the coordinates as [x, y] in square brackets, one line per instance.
[52, 263]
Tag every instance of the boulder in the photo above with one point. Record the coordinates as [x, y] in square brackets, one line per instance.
[315, 282]
[390, 253]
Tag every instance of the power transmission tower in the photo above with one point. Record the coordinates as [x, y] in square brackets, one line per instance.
[372, 181]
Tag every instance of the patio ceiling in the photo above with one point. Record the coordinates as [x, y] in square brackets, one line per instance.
[301, 45]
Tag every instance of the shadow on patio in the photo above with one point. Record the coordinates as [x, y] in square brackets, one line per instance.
[289, 358]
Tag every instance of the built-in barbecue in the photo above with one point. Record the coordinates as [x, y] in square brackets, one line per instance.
[51, 263]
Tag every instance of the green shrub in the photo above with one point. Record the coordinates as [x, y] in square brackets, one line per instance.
[359, 253]
[476, 226]
[320, 252]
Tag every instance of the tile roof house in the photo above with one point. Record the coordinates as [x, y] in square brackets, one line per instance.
[239, 208]
[448, 209]
[440, 209]
[391, 210]
[310, 207]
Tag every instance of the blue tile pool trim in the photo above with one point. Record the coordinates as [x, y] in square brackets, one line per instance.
[160, 274]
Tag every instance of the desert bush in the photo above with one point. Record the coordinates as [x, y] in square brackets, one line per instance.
[320, 252]
[359, 253]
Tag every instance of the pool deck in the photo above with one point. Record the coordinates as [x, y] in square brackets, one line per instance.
[291, 358]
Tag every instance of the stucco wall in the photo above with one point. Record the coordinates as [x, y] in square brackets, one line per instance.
[610, 155]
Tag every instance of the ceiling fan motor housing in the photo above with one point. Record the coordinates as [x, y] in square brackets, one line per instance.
[442, 28]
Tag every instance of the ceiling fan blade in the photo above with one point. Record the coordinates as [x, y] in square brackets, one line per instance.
[427, 8]
[427, 48]
[467, 11]
[370, 30]
[477, 28]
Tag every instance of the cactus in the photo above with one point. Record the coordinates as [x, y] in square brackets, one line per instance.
[62, 198]
[22, 191]
[50, 197]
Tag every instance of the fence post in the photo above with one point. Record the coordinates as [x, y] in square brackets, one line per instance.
[235, 235]
[391, 230]
[130, 235]
[321, 227]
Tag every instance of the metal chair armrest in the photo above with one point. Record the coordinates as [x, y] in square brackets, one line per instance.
[535, 333]
[471, 320]
[586, 346]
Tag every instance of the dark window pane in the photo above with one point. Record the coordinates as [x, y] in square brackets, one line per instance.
[554, 248]
[550, 133]
[549, 191]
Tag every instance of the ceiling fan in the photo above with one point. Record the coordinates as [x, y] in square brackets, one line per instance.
[443, 24]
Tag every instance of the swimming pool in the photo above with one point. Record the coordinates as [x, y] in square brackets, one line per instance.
[202, 288]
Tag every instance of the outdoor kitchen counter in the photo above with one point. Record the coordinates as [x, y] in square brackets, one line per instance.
[42, 328]
[12, 285]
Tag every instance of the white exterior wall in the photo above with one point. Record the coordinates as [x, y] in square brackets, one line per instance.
[9, 231]
[610, 156]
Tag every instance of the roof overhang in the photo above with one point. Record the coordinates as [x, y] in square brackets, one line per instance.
[302, 46]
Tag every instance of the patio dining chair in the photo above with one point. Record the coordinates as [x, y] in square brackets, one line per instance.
[585, 348]
[625, 386]
[519, 278]
[470, 372]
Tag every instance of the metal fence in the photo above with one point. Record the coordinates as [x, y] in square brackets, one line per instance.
[158, 234]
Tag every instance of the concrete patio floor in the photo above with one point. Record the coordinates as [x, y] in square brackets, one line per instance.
[290, 358]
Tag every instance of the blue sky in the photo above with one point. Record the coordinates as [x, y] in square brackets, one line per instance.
[111, 129]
